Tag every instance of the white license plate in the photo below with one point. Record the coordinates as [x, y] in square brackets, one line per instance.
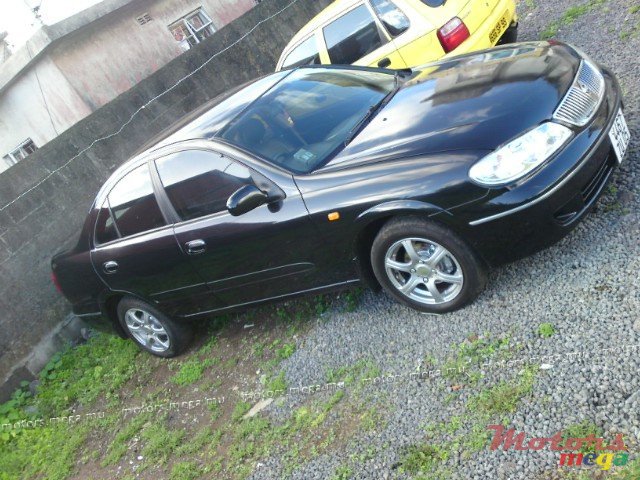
[620, 136]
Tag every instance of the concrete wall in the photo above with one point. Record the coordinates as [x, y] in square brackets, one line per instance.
[44, 220]
[88, 68]
[116, 53]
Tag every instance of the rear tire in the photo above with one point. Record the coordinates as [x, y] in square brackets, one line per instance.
[426, 266]
[151, 329]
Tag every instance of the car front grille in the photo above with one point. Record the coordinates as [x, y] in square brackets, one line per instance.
[583, 98]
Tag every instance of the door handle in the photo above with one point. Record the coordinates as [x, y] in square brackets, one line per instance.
[384, 63]
[110, 267]
[195, 247]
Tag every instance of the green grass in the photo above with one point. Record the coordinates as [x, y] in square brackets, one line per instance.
[276, 383]
[628, 472]
[208, 347]
[546, 330]
[191, 371]
[465, 356]
[423, 458]
[82, 374]
[504, 397]
[466, 432]
[581, 430]
[196, 443]
[186, 471]
[343, 472]
[569, 17]
[355, 374]
[77, 376]
[159, 443]
[239, 410]
[118, 446]
[353, 298]
[285, 351]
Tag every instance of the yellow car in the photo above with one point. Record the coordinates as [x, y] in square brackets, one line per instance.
[400, 33]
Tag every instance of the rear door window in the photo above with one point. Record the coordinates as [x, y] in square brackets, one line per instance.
[394, 20]
[304, 54]
[199, 183]
[352, 36]
[133, 203]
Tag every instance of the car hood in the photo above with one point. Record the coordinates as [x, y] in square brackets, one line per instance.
[472, 102]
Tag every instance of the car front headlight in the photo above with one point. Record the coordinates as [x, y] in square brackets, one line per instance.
[520, 156]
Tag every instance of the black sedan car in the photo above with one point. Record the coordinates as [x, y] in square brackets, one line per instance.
[321, 177]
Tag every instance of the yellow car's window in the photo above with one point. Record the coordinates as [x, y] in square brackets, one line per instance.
[304, 54]
[394, 20]
[352, 36]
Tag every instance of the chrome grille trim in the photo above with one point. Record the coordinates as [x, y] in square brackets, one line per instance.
[583, 98]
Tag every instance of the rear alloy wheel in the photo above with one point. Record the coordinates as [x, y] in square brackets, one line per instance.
[153, 331]
[426, 266]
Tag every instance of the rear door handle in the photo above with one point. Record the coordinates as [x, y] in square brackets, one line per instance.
[194, 247]
[384, 63]
[110, 267]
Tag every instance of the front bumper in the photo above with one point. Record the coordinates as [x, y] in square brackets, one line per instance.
[514, 223]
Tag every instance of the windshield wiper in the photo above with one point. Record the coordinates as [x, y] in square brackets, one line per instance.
[372, 110]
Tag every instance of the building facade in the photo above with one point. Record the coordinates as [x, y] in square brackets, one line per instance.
[72, 68]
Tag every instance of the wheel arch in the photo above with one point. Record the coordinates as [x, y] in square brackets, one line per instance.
[370, 223]
[109, 308]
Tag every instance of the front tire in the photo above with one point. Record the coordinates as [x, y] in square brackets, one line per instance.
[426, 266]
[152, 330]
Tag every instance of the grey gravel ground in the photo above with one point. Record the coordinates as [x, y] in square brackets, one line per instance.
[587, 286]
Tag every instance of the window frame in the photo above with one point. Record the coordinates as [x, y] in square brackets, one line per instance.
[166, 201]
[381, 28]
[104, 198]
[267, 177]
[193, 32]
[11, 157]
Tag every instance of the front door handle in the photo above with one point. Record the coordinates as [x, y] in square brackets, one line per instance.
[194, 247]
[384, 63]
[110, 267]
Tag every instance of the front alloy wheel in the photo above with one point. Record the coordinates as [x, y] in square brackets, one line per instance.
[424, 271]
[426, 266]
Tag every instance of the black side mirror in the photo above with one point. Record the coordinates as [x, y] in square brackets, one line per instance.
[246, 199]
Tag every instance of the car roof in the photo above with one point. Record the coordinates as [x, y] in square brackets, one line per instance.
[195, 125]
[189, 127]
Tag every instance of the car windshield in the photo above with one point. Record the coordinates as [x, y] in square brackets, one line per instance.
[299, 123]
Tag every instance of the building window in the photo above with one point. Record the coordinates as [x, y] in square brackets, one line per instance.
[21, 152]
[192, 29]
[144, 19]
